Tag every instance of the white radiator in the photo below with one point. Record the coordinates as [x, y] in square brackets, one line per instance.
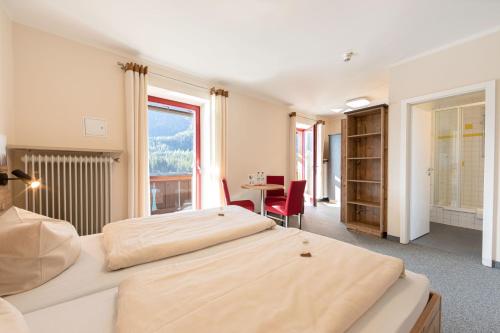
[76, 189]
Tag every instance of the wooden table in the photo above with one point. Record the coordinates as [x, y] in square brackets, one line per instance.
[262, 188]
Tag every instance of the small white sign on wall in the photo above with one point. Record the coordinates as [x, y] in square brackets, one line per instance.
[95, 127]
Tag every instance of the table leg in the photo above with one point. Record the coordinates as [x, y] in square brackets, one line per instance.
[262, 208]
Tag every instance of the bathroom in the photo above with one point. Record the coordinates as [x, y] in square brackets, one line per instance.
[456, 152]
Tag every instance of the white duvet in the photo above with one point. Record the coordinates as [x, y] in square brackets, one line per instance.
[292, 282]
[141, 240]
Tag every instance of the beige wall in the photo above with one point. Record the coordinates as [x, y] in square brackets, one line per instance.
[6, 89]
[257, 141]
[58, 82]
[6, 71]
[333, 125]
[472, 62]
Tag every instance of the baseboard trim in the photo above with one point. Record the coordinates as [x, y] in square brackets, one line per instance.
[393, 238]
[496, 264]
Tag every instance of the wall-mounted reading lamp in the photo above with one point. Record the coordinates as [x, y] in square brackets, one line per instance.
[24, 177]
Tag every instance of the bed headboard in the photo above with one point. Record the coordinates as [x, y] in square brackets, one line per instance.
[5, 196]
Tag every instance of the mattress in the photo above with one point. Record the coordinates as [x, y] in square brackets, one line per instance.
[396, 311]
[89, 275]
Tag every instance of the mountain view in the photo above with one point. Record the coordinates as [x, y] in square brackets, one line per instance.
[170, 143]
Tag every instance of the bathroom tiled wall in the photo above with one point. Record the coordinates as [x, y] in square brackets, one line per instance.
[456, 218]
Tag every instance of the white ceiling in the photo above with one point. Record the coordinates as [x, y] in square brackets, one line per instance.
[289, 50]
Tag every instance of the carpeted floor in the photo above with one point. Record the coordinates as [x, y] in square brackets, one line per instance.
[449, 256]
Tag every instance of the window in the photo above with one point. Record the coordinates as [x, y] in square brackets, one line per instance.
[174, 155]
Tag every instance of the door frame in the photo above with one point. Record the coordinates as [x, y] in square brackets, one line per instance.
[490, 179]
[196, 109]
[301, 132]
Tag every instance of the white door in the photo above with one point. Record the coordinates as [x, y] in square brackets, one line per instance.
[421, 172]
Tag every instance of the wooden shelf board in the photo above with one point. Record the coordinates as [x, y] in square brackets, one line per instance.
[364, 203]
[364, 135]
[364, 181]
[363, 158]
[365, 227]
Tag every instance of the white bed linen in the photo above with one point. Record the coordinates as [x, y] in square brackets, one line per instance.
[397, 311]
[137, 241]
[89, 274]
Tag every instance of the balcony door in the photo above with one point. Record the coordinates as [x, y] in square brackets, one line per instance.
[174, 155]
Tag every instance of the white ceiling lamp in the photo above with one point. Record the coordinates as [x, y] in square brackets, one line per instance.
[336, 110]
[357, 102]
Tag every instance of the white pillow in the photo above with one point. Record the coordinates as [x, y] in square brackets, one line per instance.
[11, 320]
[33, 249]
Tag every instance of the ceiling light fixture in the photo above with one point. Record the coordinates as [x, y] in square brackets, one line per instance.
[357, 102]
[337, 110]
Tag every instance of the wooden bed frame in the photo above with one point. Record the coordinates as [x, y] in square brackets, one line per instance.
[430, 319]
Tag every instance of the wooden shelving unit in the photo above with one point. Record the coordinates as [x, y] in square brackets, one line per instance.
[366, 170]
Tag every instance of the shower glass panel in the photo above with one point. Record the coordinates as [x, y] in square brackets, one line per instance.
[459, 156]
[472, 172]
[445, 157]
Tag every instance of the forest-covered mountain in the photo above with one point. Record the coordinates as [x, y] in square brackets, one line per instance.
[170, 143]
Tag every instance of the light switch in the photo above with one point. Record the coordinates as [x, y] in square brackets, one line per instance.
[95, 126]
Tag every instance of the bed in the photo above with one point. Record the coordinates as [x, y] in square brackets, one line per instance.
[397, 311]
[84, 296]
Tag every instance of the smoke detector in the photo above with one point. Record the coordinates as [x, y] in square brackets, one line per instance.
[347, 56]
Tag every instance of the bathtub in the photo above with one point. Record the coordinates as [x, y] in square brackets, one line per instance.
[470, 218]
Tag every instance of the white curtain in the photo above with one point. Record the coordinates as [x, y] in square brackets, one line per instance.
[136, 85]
[320, 130]
[293, 144]
[219, 147]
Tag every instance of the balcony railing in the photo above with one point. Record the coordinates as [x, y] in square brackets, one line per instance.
[170, 193]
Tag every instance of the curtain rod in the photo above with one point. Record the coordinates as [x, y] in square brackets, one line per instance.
[122, 66]
[300, 115]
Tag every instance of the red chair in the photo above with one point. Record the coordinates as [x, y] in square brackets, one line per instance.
[248, 204]
[273, 196]
[293, 203]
